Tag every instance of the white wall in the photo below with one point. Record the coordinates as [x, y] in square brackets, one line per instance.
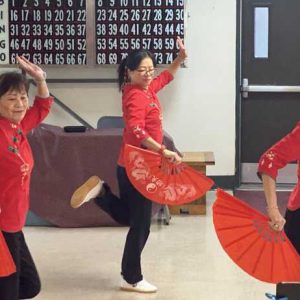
[199, 105]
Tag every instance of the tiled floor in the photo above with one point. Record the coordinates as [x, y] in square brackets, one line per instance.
[184, 259]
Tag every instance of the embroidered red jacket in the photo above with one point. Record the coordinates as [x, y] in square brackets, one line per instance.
[279, 155]
[142, 113]
[16, 163]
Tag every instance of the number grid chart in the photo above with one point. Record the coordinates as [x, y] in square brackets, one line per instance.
[125, 25]
[89, 32]
[47, 31]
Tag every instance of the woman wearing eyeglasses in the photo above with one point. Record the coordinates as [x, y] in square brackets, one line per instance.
[142, 116]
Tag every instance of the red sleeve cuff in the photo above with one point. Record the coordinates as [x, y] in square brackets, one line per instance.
[50, 98]
[139, 133]
[43, 102]
[267, 166]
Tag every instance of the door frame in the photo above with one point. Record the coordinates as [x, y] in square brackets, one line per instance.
[239, 6]
[286, 175]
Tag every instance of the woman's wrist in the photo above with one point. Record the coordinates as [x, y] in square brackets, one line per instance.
[270, 207]
[43, 96]
[40, 80]
[161, 149]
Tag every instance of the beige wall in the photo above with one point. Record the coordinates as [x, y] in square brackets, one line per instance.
[199, 105]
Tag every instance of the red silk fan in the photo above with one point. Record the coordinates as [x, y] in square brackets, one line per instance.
[246, 236]
[7, 265]
[162, 181]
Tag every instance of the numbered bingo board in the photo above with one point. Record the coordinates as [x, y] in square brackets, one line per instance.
[125, 25]
[88, 32]
[45, 31]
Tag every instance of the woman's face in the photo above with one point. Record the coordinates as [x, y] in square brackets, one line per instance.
[143, 75]
[13, 105]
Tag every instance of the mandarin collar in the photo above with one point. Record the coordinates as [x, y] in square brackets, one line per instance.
[8, 124]
[127, 87]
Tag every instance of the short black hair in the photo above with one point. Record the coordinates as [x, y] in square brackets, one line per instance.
[13, 81]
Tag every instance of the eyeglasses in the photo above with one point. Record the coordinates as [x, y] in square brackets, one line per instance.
[146, 71]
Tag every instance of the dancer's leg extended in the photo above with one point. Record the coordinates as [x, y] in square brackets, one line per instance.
[96, 189]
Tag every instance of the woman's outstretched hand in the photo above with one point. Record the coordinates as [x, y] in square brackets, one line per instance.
[182, 51]
[37, 74]
[181, 56]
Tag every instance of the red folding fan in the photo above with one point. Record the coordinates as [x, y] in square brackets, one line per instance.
[7, 265]
[246, 236]
[162, 181]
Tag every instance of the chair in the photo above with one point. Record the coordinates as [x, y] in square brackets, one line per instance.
[110, 122]
[118, 122]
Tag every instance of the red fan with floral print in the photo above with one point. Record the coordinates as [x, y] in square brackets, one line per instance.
[7, 265]
[247, 238]
[162, 181]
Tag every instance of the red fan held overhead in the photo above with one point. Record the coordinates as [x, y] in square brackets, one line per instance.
[162, 181]
[246, 236]
[7, 265]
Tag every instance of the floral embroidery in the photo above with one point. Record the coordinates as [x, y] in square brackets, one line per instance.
[271, 155]
[25, 168]
[138, 131]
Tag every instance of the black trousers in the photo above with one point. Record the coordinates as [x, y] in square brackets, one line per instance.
[25, 283]
[134, 210]
[292, 227]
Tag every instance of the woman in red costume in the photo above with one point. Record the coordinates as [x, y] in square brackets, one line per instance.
[16, 163]
[279, 155]
[142, 115]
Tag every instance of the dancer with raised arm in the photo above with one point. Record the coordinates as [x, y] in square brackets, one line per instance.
[142, 115]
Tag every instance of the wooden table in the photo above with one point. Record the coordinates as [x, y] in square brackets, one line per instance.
[199, 161]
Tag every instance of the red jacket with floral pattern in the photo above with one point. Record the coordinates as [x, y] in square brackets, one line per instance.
[142, 113]
[283, 152]
[16, 163]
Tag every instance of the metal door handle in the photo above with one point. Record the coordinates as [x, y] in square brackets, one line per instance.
[246, 88]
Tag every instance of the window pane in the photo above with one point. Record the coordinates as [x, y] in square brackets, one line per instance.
[261, 32]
